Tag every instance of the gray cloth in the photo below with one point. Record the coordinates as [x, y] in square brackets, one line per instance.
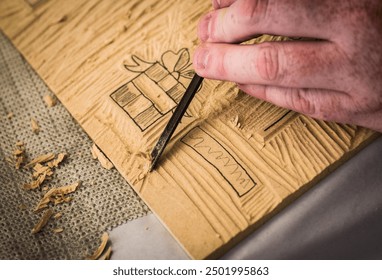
[104, 199]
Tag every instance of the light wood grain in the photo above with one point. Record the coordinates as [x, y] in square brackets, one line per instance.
[120, 67]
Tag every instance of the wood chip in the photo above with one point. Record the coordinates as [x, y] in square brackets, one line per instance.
[56, 196]
[40, 159]
[18, 155]
[19, 161]
[57, 161]
[57, 215]
[10, 115]
[35, 126]
[97, 253]
[106, 255]
[97, 154]
[18, 152]
[43, 221]
[34, 184]
[50, 100]
[22, 207]
[20, 144]
[58, 230]
[40, 169]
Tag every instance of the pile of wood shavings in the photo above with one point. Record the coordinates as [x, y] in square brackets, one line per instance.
[43, 167]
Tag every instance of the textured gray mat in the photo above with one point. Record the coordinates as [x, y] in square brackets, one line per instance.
[104, 200]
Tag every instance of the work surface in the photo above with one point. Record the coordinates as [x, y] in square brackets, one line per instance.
[118, 68]
[338, 219]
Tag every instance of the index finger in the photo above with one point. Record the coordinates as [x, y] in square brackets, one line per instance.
[244, 19]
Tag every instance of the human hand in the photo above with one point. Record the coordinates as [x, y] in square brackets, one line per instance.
[337, 78]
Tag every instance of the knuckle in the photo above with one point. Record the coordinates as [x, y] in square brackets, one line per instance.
[268, 63]
[298, 100]
[253, 11]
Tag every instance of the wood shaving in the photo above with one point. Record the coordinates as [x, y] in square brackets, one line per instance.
[42, 172]
[50, 100]
[20, 144]
[98, 154]
[10, 115]
[43, 221]
[235, 122]
[18, 155]
[57, 196]
[106, 255]
[57, 161]
[35, 183]
[40, 159]
[57, 215]
[22, 207]
[57, 230]
[40, 169]
[17, 152]
[35, 126]
[97, 253]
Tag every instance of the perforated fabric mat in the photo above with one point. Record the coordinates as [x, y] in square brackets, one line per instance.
[104, 199]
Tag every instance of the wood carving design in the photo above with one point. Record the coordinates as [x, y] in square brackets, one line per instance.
[157, 89]
[221, 159]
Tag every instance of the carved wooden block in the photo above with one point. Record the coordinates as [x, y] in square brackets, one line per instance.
[120, 68]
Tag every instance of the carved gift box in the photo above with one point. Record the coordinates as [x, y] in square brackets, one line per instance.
[156, 90]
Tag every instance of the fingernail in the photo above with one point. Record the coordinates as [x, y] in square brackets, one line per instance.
[202, 59]
[204, 28]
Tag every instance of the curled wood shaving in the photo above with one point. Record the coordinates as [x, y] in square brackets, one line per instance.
[97, 154]
[97, 253]
[235, 122]
[35, 126]
[106, 255]
[57, 195]
[40, 159]
[58, 230]
[43, 221]
[50, 100]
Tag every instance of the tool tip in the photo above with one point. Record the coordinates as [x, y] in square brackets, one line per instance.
[154, 160]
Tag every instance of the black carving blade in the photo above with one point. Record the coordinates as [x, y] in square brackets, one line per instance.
[174, 120]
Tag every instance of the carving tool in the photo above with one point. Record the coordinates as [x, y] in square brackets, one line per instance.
[174, 120]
